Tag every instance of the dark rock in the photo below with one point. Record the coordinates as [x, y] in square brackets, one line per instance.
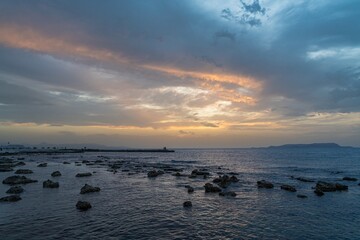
[15, 190]
[319, 192]
[350, 179]
[229, 193]
[88, 189]
[50, 184]
[187, 204]
[56, 174]
[288, 188]
[66, 162]
[12, 180]
[6, 169]
[301, 179]
[20, 158]
[23, 171]
[78, 164]
[42, 165]
[11, 198]
[19, 164]
[211, 188]
[330, 187]
[85, 161]
[87, 174]
[301, 196]
[224, 181]
[179, 175]
[190, 189]
[201, 172]
[83, 205]
[264, 184]
[154, 173]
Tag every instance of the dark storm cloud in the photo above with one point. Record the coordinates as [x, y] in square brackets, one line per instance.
[272, 44]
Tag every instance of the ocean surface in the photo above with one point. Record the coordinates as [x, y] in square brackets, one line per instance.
[132, 206]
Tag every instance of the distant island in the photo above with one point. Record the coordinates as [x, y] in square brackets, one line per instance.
[311, 145]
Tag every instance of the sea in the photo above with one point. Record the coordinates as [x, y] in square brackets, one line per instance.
[131, 205]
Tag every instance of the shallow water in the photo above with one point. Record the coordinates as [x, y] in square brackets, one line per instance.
[137, 207]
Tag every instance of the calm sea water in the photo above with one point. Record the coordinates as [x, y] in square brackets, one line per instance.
[132, 206]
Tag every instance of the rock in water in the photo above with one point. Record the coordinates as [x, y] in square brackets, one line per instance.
[229, 193]
[302, 179]
[301, 196]
[50, 184]
[66, 162]
[83, 205]
[288, 188]
[224, 181]
[88, 189]
[187, 204]
[87, 174]
[154, 173]
[56, 174]
[23, 171]
[350, 179]
[319, 192]
[15, 190]
[12, 180]
[211, 188]
[330, 187]
[11, 198]
[42, 165]
[190, 189]
[264, 184]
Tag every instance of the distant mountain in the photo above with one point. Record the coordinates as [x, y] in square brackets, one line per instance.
[311, 145]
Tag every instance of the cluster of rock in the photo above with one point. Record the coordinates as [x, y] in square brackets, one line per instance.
[224, 181]
[13, 180]
[322, 187]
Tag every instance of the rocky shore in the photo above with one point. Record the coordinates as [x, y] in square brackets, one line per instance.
[215, 179]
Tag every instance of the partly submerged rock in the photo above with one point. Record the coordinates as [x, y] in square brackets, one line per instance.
[211, 188]
[87, 174]
[83, 205]
[330, 187]
[66, 162]
[42, 165]
[190, 189]
[88, 189]
[50, 184]
[201, 172]
[319, 192]
[302, 179]
[15, 190]
[350, 179]
[56, 174]
[288, 188]
[301, 196]
[228, 194]
[224, 181]
[23, 171]
[187, 204]
[11, 198]
[12, 180]
[264, 184]
[154, 173]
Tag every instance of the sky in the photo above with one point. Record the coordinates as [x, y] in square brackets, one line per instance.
[182, 73]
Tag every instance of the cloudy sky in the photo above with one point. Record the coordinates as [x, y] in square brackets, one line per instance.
[182, 73]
